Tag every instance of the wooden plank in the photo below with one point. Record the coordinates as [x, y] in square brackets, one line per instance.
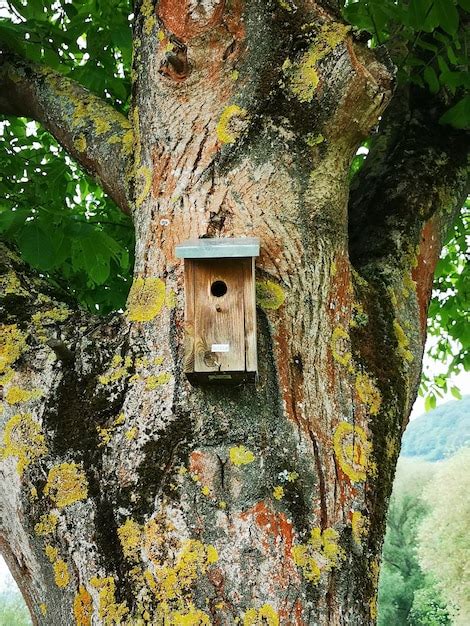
[219, 321]
[188, 316]
[249, 297]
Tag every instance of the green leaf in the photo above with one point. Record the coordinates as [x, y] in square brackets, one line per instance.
[418, 10]
[459, 115]
[37, 246]
[430, 77]
[455, 391]
[430, 402]
[447, 15]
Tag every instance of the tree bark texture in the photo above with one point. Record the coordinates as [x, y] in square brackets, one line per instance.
[129, 497]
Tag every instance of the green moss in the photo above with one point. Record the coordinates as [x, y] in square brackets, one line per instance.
[269, 295]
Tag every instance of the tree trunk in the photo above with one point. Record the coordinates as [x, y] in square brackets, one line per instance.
[130, 497]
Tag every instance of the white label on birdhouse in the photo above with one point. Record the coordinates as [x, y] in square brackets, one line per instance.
[220, 347]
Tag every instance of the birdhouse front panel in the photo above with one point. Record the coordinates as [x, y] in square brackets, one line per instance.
[220, 311]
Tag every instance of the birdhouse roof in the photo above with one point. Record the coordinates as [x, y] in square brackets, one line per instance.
[218, 248]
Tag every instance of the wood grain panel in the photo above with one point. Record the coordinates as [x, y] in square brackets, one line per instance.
[219, 320]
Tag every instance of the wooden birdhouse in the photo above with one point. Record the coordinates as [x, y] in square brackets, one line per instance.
[220, 311]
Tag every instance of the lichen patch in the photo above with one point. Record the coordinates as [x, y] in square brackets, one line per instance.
[66, 484]
[146, 299]
[352, 450]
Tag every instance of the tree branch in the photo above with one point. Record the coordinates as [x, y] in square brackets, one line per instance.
[93, 132]
[417, 171]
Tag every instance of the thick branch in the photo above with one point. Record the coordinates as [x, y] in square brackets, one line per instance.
[92, 131]
[417, 171]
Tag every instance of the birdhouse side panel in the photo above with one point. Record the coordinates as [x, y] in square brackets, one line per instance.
[189, 358]
[249, 297]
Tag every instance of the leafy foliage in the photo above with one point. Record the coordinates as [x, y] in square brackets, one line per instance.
[89, 41]
[60, 219]
[428, 40]
[449, 317]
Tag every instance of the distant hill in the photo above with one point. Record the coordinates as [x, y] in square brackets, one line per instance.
[439, 433]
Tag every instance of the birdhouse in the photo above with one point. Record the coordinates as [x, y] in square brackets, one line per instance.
[220, 311]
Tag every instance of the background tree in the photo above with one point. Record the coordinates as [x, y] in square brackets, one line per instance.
[128, 495]
[443, 538]
[406, 594]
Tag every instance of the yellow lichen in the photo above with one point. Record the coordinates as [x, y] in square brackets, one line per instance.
[314, 140]
[146, 299]
[170, 300]
[269, 295]
[145, 174]
[12, 346]
[231, 123]
[403, 342]
[265, 615]
[292, 476]
[130, 536]
[33, 492]
[278, 492]
[205, 490]
[174, 577]
[127, 143]
[301, 75]
[48, 318]
[66, 484]
[109, 611]
[47, 524]
[105, 436]
[340, 342]
[43, 609]
[152, 382]
[368, 392]
[23, 438]
[131, 433]
[61, 573]
[80, 143]
[287, 5]
[10, 284]
[83, 607]
[51, 553]
[150, 21]
[239, 455]
[320, 554]
[16, 395]
[359, 317]
[359, 527]
[352, 450]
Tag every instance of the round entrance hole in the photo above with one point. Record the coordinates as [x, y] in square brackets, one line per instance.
[218, 288]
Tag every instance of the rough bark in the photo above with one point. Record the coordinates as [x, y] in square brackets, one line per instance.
[166, 504]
